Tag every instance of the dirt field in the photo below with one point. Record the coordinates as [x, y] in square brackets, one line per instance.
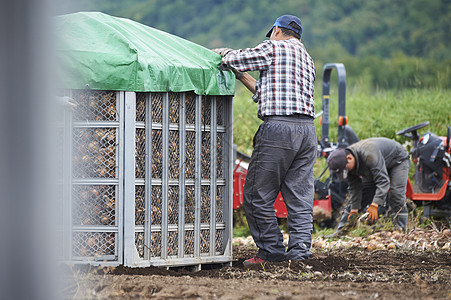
[342, 273]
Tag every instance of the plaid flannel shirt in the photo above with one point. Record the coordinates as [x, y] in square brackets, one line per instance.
[287, 75]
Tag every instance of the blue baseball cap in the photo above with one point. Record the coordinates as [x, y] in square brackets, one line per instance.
[284, 21]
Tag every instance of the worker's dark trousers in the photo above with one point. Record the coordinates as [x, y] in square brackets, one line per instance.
[282, 160]
[396, 200]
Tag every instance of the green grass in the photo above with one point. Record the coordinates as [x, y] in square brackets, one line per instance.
[241, 231]
[245, 120]
[371, 113]
[383, 113]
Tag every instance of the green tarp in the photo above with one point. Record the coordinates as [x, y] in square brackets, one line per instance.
[111, 53]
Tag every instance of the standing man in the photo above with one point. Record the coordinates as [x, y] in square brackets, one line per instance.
[285, 143]
[380, 163]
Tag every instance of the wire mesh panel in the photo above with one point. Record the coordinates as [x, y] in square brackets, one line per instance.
[96, 245]
[140, 208]
[92, 191]
[95, 105]
[190, 108]
[220, 155]
[157, 108]
[140, 153]
[172, 243]
[204, 241]
[174, 154]
[141, 107]
[205, 204]
[182, 185]
[174, 107]
[157, 153]
[93, 205]
[94, 152]
[173, 205]
[156, 212]
[206, 111]
[139, 242]
[189, 242]
[220, 241]
[155, 244]
[190, 204]
[220, 204]
[190, 160]
[205, 155]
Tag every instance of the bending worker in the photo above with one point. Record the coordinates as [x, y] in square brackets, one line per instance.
[380, 166]
[285, 143]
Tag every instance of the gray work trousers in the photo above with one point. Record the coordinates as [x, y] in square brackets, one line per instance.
[282, 160]
[396, 198]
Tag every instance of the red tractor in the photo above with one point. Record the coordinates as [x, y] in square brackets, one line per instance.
[431, 156]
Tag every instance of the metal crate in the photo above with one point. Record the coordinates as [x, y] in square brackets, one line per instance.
[146, 179]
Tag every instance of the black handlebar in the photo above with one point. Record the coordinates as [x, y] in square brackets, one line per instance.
[413, 129]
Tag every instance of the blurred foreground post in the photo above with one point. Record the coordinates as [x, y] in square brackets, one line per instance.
[24, 211]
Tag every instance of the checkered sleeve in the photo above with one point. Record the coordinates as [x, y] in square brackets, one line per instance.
[287, 75]
[251, 59]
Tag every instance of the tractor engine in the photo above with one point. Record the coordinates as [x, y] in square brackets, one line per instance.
[431, 162]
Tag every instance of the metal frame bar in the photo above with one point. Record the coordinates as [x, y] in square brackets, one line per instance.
[148, 178]
[165, 177]
[228, 209]
[182, 174]
[213, 167]
[198, 176]
[103, 124]
[120, 164]
[129, 181]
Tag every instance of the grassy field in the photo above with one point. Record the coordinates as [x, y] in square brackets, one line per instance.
[371, 113]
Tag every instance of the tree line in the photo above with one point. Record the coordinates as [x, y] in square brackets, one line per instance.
[392, 43]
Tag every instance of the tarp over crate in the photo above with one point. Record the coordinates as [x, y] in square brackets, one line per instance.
[111, 53]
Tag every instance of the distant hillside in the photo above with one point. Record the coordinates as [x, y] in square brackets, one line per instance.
[409, 39]
[414, 27]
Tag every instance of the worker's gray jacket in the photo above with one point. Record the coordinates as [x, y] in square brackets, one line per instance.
[374, 157]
